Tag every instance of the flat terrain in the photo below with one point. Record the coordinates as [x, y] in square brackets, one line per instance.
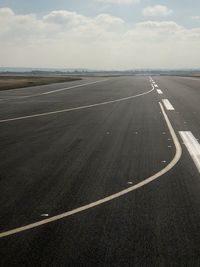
[13, 82]
[101, 168]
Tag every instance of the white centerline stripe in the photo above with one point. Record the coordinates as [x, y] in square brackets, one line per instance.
[54, 91]
[167, 104]
[159, 92]
[192, 145]
[76, 108]
[148, 180]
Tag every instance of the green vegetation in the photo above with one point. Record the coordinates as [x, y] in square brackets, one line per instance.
[14, 82]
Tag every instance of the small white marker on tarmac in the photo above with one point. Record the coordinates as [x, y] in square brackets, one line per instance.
[45, 215]
[130, 183]
[164, 161]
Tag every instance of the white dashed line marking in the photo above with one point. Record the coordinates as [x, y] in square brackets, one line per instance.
[159, 92]
[167, 104]
[192, 145]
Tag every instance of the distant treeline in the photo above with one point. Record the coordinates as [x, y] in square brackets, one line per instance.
[114, 73]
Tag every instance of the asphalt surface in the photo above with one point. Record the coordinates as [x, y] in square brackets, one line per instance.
[90, 148]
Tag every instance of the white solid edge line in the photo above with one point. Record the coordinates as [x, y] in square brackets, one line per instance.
[192, 146]
[54, 91]
[167, 104]
[73, 109]
[114, 196]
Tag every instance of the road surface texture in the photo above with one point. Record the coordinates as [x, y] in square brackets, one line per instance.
[101, 172]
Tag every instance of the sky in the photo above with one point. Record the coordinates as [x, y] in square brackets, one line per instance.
[100, 34]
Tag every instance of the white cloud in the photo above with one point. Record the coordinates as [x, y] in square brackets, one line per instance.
[65, 18]
[120, 2]
[160, 25]
[6, 12]
[196, 18]
[157, 10]
[108, 19]
[67, 39]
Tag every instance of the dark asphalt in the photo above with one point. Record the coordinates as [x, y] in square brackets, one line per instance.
[52, 164]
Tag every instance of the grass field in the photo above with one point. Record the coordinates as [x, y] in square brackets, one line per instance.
[14, 82]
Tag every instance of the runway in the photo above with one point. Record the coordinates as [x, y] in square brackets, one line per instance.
[102, 171]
